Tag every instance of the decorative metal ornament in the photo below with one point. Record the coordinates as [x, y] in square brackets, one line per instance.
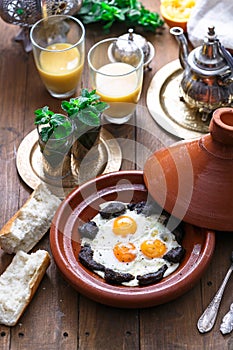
[26, 12]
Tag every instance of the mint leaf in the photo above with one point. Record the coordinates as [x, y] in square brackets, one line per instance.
[43, 115]
[89, 117]
[101, 106]
[87, 107]
[57, 120]
[46, 133]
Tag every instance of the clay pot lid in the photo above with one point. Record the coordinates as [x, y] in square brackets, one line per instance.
[193, 180]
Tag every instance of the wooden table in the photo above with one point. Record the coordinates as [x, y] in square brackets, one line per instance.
[58, 317]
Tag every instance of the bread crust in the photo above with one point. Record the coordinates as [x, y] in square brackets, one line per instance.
[32, 285]
[11, 244]
[6, 229]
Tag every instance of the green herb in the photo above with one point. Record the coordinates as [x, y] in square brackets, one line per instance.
[132, 12]
[56, 125]
[86, 108]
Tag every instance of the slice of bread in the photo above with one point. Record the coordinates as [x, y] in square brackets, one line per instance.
[24, 230]
[19, 282]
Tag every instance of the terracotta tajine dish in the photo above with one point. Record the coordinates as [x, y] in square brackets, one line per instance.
[82, 205]
[193, 180]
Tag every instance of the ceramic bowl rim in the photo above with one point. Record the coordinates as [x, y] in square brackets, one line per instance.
[97, 289]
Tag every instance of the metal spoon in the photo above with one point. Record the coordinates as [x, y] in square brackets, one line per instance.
[227, 322]
[207, 319]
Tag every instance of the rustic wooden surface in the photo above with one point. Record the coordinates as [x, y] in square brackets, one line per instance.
[58, 317]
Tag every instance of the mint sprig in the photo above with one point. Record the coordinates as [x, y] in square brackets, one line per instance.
[131, 12]
[56, 125]
[87, 108]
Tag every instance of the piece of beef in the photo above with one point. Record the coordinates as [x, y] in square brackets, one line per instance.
[138, 207]
[179, 233]
[113, 277]
[112, 210]
[175, 255]
[86, 258]
[152, 277]
[145, 208]
[88, 230]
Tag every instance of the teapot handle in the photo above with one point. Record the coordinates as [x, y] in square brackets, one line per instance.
[226, 54]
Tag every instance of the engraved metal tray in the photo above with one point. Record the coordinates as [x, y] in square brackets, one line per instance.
[166, 108]
[108, 158]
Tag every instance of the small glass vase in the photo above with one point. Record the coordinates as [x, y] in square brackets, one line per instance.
[85, 153]
[56, 152]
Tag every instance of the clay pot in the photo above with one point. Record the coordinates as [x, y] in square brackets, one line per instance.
[193, 180]
[81, 205]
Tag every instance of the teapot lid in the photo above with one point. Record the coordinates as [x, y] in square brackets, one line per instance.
[139, 40]
[208, 59]
[120, 48]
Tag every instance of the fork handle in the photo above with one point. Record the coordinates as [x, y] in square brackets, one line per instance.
[207, 319]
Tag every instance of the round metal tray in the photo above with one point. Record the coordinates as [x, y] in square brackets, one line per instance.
[29, 162]
[166, 107]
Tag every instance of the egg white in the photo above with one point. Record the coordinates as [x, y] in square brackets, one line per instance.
[147, 228]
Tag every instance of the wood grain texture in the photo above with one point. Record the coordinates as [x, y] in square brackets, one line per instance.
[58, 318]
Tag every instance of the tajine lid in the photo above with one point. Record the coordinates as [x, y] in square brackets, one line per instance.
[193, 180]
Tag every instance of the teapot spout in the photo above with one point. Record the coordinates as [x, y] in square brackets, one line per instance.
[183, 45]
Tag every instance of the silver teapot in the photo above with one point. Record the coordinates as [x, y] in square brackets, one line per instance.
[207, 81]
[26, 12]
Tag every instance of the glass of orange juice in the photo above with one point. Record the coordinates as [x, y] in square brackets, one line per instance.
[58, 44]
[117, 76]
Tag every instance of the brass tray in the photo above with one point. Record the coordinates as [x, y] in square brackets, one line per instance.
[29, 163]
[166, 108]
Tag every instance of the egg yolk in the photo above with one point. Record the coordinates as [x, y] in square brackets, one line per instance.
[153, 248]
[124, 225]
[124, 252]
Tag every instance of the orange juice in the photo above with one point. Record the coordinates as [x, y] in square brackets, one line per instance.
[119, 88]
[60, 71]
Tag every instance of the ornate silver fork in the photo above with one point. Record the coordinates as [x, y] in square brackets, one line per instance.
[208, 318]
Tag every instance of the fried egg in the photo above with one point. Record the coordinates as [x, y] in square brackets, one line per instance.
[132, 243]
